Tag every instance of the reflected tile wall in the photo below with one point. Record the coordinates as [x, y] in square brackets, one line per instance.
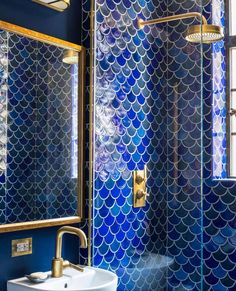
[20, 179]
[39, 94]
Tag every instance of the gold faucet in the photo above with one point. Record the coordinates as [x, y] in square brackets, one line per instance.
[58, 264]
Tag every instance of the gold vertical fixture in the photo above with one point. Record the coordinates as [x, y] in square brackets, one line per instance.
[58, 264]
[204, 33]
[91, 131]
[139, 188]
[59, 5]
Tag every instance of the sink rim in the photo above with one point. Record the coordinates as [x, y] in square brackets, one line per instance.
[27, 284]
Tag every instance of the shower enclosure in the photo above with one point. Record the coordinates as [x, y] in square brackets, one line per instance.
[153, 95]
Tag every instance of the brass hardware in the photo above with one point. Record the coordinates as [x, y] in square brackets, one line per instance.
[69, 264]
[58, 264]
[4, 228]
[58, 5]
[139, 188]
[81, 131]
[70, 57]
[21, 247]
[38, 36]
[205, 33]
[91, 131]
[140, 194]
[142, 23]
[139, 179]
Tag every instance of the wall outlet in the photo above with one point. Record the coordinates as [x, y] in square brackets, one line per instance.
[21, 247]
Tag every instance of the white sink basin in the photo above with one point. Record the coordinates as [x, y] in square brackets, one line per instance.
[92, 279]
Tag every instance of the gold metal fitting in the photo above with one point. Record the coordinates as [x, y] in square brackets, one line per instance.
[204, 33]
[140, 23]
[70, 57]
[207, 33]
[57, 267]
[139, 188]
[58, 264]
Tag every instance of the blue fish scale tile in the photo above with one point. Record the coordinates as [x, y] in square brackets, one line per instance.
[219, 194]
[166, 73]
[184, 156]
[127, 102]
[36, 133]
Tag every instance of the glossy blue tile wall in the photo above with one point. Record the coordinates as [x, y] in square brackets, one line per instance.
[184, 167]
[66, 26]
[165, 71]
[219, 196]
[130, 132]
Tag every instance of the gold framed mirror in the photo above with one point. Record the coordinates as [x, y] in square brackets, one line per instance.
[41, 130]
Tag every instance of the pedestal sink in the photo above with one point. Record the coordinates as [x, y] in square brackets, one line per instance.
[92, 279]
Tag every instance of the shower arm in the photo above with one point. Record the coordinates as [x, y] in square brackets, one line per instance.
[142, 23]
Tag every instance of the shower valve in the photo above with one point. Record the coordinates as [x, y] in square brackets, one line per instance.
[139, 188]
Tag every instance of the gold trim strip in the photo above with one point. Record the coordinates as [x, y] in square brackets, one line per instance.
[38, 36]
[81, 131]
[91, 133]
[38, 224]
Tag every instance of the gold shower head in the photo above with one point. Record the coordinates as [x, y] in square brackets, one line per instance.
[206, 33]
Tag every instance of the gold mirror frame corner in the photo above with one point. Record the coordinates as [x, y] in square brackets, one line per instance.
[19, 226]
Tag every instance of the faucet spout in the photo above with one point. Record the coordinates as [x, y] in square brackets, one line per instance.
[71, 230]
[58, 264]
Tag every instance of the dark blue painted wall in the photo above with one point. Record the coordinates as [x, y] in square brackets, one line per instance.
[40, 260]
[67, 26]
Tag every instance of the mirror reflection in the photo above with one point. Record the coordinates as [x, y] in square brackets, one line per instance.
[38, 130]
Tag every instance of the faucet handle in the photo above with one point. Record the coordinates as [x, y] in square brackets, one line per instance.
[67, 264]
[140, 194]
[139, 179]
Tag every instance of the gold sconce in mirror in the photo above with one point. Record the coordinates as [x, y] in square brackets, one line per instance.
[70, 57]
